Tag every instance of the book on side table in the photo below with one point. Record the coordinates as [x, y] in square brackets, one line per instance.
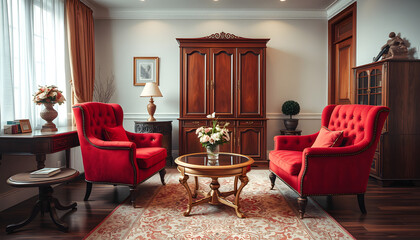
[45, 172]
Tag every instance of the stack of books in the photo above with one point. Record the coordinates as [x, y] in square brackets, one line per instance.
[12, 127]
[45, 172]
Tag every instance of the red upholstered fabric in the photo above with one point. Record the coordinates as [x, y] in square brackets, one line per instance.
[149, 156]
[115, 134]
[333, 170]
[114, 161]
[288, 161]
[328, 138]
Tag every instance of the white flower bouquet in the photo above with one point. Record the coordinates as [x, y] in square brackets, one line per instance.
[215, 135]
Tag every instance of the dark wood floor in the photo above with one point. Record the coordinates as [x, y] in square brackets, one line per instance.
[393, 212]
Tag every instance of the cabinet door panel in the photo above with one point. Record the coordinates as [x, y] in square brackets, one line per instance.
[250, 82]
[195, 77]
[250, 141]
[191, 143]
[222, 81]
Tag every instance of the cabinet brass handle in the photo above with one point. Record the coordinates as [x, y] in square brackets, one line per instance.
[195, 122]
[249, 122]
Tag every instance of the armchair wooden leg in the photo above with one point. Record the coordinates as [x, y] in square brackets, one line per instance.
[162, 176]
[361, 200]
[272, 177]
[302, 201]
[88, 190]
[133, 195]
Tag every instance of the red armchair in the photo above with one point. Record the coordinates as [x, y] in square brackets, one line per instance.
[112, 155]
[330, 170]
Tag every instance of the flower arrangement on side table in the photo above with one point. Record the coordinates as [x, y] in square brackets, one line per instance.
[48, 96]
[212, 137]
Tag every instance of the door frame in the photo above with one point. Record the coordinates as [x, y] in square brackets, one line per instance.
[349, 11]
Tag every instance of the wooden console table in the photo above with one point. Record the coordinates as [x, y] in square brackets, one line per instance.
[163, 127]
[40, 143]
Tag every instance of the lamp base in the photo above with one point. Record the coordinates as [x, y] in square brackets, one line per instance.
[151, 108]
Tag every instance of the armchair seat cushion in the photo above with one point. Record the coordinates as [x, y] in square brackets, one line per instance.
[149, 156]
[288, 161]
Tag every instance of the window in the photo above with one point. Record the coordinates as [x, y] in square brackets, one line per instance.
[37, 54]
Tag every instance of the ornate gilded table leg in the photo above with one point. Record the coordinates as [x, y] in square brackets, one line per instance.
[196, 187]
[183, 180]
[244, 181]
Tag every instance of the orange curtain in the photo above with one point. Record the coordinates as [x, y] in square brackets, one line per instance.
[81, 50]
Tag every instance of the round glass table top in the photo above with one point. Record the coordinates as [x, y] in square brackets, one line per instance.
[225, 159]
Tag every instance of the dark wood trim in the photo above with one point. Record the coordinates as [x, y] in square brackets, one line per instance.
[350, 10]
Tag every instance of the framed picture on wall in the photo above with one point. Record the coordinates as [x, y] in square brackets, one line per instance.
[146, 69]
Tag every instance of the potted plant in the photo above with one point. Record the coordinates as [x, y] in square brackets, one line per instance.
[290, 108]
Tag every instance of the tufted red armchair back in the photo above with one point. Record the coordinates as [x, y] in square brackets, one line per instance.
[351, 119]
[98, 115]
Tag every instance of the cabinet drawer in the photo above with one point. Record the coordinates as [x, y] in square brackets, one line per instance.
[250, 123]
[194, 123]
[223, 122]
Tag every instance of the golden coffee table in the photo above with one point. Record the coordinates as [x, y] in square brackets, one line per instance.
[228, 165]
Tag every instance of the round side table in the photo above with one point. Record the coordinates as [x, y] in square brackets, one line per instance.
[46, 202]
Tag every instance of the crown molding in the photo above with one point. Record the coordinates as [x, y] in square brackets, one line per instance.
[338, 6]
[208, 14]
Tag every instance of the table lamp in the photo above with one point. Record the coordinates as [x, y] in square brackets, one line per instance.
[151, 90]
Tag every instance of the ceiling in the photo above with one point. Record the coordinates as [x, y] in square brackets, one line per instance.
[232, 5]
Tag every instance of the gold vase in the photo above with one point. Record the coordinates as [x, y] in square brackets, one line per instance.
[49, 114]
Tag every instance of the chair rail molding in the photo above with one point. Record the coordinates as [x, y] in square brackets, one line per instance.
[304, 116]
[159, 116]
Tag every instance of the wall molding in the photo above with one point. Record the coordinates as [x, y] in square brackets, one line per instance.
[175, 116]
[207, 14]
[15, 196]
[338, 6]
[145, 116]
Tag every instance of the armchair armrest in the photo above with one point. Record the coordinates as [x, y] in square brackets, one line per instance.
[336, 170]
[105, 161]
[145, 139]
[294, 143]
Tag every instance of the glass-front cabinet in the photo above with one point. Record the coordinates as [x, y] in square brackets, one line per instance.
[369, 91]
[394, 83]
[369, 86]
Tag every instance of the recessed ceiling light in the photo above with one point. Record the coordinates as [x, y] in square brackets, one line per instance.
[215, 0]
[282, 0]
[142, 0]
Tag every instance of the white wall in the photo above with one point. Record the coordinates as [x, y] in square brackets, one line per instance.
[296, 64]
[377, 18]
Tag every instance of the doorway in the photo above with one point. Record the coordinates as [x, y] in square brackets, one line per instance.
[342, 56]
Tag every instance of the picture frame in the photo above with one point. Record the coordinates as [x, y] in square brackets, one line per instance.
[146, 69]
[25, 125]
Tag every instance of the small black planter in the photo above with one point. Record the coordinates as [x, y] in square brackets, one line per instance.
[291, 124]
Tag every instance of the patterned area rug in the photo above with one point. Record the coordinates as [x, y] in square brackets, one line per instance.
[271, 214]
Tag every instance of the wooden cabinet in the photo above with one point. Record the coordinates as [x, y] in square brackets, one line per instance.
[225, 74]
[395, 84]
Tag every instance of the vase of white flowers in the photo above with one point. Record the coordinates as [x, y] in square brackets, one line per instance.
[48, 96]
[212, 137]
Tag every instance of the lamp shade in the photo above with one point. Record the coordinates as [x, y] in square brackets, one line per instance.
[151, 90]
